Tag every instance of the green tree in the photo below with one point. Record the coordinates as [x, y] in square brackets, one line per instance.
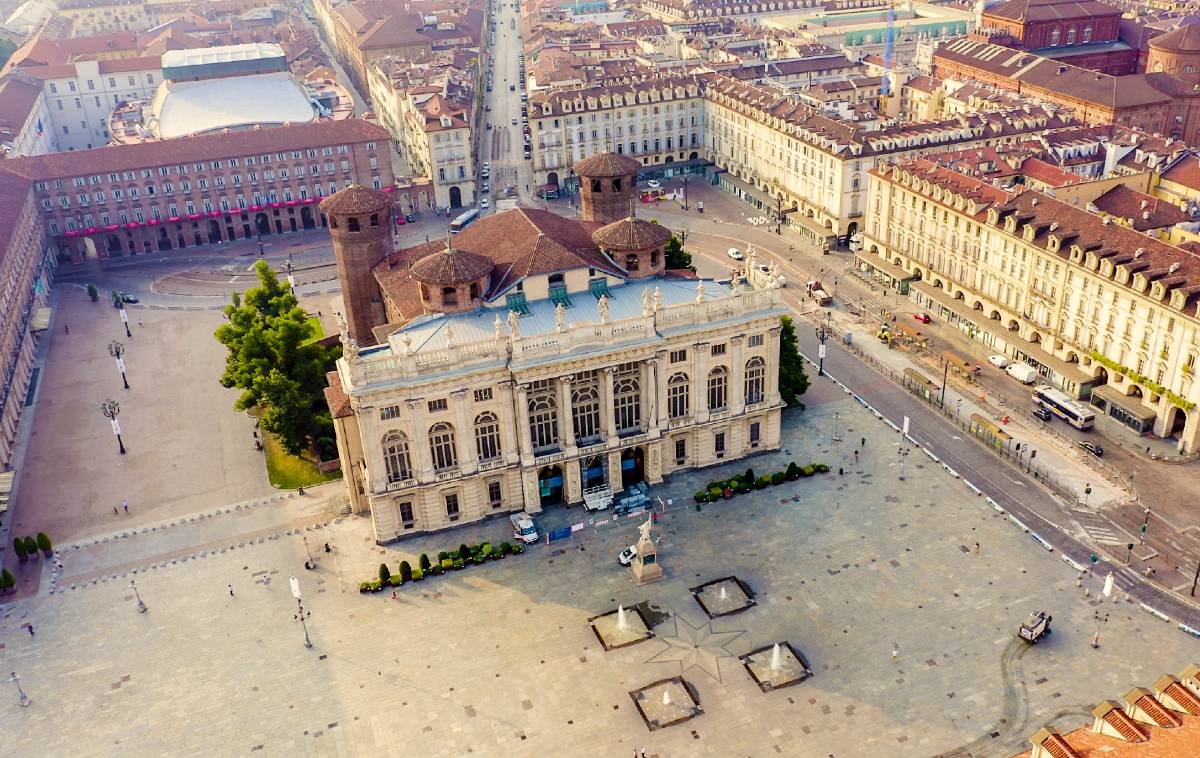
[676, 256]
[93, 293]
[793, 381]
[273, 362]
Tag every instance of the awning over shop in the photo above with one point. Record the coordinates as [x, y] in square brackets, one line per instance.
[40, 321]
[6, 483]
[748, 190]
[1130, 405]
[820, 231]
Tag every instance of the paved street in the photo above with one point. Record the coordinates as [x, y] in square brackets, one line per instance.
[503, 145]
[499, 659]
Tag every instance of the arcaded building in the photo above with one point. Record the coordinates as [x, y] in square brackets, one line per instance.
[533, 358]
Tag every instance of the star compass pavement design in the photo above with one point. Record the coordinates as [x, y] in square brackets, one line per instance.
[696, 646]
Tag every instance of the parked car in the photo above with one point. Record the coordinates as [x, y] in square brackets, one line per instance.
[922, 317]
[410, 217]
[736, 254]
[1040, 412]
[999, 361]
[128, 298]
[627, 555]
[514, 122]
[1092, 447]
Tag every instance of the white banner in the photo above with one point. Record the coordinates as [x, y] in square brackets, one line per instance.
[121, 365]
[116, 425]
[821, 351]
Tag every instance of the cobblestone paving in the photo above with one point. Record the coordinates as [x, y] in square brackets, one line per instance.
[500, 660]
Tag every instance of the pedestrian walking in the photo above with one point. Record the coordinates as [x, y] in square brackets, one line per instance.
[895, 652]
[856, 457]
[125, 505]
[977, 549]
[841, 472]
[30, 628]
[67, 329]
[862, 442]
[393, 594]
[230, 589]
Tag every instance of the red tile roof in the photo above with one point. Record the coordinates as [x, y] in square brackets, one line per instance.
[335, 397]
[198, 148]
[1184, 697]
[1129, 729]
[1186, 171]
[1143, 211]
[1155, 710]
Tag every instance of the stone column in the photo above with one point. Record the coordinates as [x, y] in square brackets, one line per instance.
[649, 394]
[526, 444]
[532, 495]
[737, 377]
[465, 439]
[700, 383]
[607, 419]
[772, 389]
[508, 424]
[614, 471]
[418, 443]
[566, 422]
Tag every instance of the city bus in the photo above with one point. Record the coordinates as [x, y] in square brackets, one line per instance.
[1065, 407]
[463, 221]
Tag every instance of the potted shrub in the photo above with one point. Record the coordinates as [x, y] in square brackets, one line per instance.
[793, 471]
[438, 569]
[821, 468]
[31, 548]
[762, 482]
[700, 497]
[396, 581]
[464, 552]
[423, 563]
[458, 563]
[485, 550]
[518, 548]
[385, 574]
[93, 293]
[743, 488]
[43, 543]
[442, 555]
[19, 549]
[405, 571]
[376, 586]
[7, 581]
[417, 575]
[505, 548]
[808, 470]
[778, 478]
[748, 476]
[364, 587]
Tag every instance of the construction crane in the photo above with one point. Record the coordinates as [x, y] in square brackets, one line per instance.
[889, 38]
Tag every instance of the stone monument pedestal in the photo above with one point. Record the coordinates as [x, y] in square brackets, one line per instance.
[645, 567]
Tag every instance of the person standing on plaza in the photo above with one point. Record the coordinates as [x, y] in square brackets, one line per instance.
[125, 505]
[230, 586]
[895, 652]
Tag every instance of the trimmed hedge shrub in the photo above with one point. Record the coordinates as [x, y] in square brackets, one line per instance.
[822, 468]
[7, 580]
[505, 548]
[364, 586]
[423, 563]
[808, 470]
[418, 575]
[385, 573]
[458, 563]
[518, 548]
[700, 497]
[43, 543]
[793, 471]
[447, 563]
[19, 549]
[442, 555]
[31, 547]
[743, 488]
[376, 586]
[406, 573]
[778, 478]
[396, 581]
[762, 482]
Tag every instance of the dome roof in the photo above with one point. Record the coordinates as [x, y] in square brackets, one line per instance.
[1185, 39]
[356, 199]
[606, 165]
[451, 266]
[630, 234]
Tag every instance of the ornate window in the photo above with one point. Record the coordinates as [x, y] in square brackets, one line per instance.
[718, 388]
[441, 446]
[627, 404]
[678, 392]
[755, 374]
[585, 409]
[395, 457]
[487, 436]
[543, 416]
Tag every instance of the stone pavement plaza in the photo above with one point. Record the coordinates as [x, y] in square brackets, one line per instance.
[500, 659]
[187, 448]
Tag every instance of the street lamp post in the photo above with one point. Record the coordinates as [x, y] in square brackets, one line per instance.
[258, 234]
[685, 183]
[837, 437]
[1100, 619]
[111, 409]
[309, 563]
[903, 457]
[22, 698]
[300, 612]
[778, 214]
[1145, 526]
[141, 607]
[291, 279]
[116, 349]
[125, 317]
[823, 332]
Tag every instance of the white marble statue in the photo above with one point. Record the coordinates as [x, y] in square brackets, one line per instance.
[645, 302]
[644, 529]
[603, 307]
[514, 324]
[657, 299]
[499, 325]
[700, 291]
[560, 317]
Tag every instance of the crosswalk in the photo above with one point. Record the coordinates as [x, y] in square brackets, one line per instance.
[1097, 527]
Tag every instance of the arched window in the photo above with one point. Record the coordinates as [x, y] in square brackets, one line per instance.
[1087, 33]
[627, 404]
[474, 290]
[585, 410]
[678, 396]
[1071, 36]
[1054, 36]
[756, 373]
[543, 416]
[654, 258]
[616, 185]
[352, 223]
[718, 388]
[395, 457]
[441, 446]
[595, 185]
[449, 296]
[374, 219]
[487, 436]
[631, 262]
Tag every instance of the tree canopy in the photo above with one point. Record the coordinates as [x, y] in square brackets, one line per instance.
[793, 381]
[274, 362]
[676, 256]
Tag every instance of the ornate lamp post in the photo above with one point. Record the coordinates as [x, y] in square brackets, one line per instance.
[111, 409]
[116, 349]
[22, 698]
[300, 612]
[141, 607]
[823, 332]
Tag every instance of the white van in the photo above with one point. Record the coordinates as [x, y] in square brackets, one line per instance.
[523, 527]
[1022, 372]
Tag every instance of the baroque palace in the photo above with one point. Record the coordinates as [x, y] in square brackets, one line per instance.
[532, 359]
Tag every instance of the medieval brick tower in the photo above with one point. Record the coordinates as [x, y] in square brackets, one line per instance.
[361, 227]
[607, 184]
